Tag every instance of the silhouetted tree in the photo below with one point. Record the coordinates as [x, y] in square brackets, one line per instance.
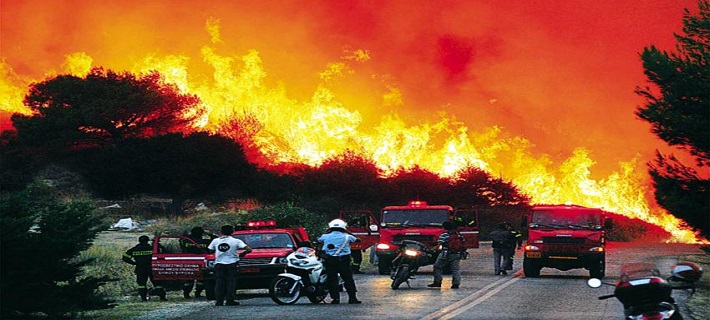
[41, 238]
[475, 187]
[678, 109]
[177, 166]
[101, 109]
[417, 183]
[346, 181]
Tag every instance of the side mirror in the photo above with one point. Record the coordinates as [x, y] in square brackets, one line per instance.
[374, 228]
[686, 272]
[594, 282]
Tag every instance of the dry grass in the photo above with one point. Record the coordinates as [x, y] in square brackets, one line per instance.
[698, 303]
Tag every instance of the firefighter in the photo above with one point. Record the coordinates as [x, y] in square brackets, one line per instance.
[199, 246]
[336, 245]
[449, 256]
[501, 239]
[516, 242]
[141, 256]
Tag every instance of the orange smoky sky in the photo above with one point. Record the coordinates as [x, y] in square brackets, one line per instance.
[538, 92]
[558, 73]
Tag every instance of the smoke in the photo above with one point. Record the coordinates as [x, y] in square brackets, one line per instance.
[560, 74]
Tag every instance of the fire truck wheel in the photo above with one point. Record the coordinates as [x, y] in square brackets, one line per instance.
[531, 268]
[384, 267]
[209, 289]
[598, 269]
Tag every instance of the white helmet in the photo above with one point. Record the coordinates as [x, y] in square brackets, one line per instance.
[337, 223]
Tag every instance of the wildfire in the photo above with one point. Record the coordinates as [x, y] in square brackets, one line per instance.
[323, 124]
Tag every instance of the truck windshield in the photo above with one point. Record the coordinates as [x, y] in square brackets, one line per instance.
[414, 217]
[590, 219]
[266, 240]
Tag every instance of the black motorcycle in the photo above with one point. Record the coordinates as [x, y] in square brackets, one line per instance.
[412, 255]
[645, 294]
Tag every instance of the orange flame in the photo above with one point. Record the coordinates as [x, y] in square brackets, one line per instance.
[321, 125]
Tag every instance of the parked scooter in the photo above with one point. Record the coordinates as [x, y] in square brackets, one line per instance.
[305, 276]
[645, 294]
[411, 256]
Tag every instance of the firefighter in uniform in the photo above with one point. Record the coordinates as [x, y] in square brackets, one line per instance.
[447, 257]
[141, 256]
[517, 242]
[336, 245]
[199, 246]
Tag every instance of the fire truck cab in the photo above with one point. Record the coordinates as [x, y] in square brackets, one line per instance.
[270, 245]
[566, 237]
[417, 221]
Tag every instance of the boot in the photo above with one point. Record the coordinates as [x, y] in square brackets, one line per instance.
[352, 298]
[143, 292]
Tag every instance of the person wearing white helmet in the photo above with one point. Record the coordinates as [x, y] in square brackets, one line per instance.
[336, 245]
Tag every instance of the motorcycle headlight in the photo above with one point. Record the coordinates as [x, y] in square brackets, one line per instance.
[411, 253]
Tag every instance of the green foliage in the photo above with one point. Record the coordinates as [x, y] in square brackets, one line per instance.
[287, 215]
[41, 237]
[678, 109]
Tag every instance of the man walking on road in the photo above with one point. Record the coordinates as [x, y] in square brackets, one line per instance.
[450, 256]
[501, 241]
[517, 242]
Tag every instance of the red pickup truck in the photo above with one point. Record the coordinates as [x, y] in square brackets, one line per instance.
[271, 245]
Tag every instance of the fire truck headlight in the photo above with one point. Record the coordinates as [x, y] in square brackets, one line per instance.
[597, 249]
[532, 248]
[282, 260]
[383, 246]
[411, 253]
[209, 263]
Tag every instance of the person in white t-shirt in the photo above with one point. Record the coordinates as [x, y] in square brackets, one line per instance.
[227, 265]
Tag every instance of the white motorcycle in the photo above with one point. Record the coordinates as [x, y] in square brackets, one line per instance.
[305, 276]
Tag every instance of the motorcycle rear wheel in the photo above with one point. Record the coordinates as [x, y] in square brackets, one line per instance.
[400, 276]
[285, 290]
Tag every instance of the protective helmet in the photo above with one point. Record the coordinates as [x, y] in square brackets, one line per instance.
[337, 223]
[143, 239]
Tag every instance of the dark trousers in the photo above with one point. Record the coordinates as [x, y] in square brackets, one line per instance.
[335, 266]
[226, 282]
[144, 274]
[357, 260]
[187, 286]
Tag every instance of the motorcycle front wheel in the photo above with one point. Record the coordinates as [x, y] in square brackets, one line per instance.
[400, 276]
[285, 290]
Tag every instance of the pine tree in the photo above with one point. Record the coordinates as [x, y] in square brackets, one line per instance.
[41, 236]
[678, 109]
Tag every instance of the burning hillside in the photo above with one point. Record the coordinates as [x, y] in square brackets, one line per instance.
[455, 94]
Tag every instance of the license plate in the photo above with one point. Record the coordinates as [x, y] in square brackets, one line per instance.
[533, 254]
[249, 270]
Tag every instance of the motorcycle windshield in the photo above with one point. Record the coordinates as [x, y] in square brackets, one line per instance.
[636, 270]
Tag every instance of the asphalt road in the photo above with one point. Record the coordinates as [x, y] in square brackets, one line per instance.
[554, 295]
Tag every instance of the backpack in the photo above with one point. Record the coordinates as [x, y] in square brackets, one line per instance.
[455, 243]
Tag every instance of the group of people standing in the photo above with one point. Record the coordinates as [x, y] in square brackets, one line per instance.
[338, 257]
[336, 247]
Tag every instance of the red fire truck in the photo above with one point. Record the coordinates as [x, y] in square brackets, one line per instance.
[271, 245]
[417, 221]
[566, 237]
